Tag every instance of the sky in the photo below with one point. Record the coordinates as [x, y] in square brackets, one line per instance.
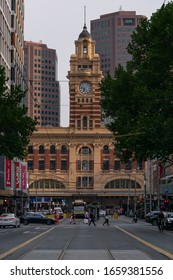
[58, 23]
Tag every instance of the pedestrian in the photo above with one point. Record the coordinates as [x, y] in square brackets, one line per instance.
[92, 219]
[160, 220]
[86, 218]
[72, 219]
[106, 220]
[135, 218]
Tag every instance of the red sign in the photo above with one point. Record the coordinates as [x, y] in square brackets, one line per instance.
[17, 175]
[8, 170]
[24, 176]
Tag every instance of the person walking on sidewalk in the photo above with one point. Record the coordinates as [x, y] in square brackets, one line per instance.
[92, 219]
[106, 220]
[72, 219]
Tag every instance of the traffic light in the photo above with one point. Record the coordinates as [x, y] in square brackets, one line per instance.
[5, 201]
[166, 202]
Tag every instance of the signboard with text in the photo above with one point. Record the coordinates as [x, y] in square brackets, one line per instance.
[8, 173]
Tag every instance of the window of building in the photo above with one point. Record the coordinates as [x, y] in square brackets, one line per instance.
[41, 149]
[85, 50]
[63, 149]
[78, 123]
[30, 149]
[85, 150]
[30, 165]
[85, 182]
[52, 165]
[63, 165]
[52, 149]
[106, 164]
[84, 121]
[117, 165]
[41, 165]
[106, 149]
[128, 165]
[85, 165]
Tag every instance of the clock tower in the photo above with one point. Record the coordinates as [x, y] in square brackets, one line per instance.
[84, 79]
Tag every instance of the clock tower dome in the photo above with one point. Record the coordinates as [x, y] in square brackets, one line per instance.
[84, 79]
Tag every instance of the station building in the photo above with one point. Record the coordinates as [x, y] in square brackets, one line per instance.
[78, 162]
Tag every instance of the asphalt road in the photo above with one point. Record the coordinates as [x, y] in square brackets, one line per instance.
[122, 240]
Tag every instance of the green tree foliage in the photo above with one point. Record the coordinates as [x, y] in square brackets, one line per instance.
[15, 126]
[139, 99]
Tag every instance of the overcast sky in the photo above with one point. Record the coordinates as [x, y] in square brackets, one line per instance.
[58, 23]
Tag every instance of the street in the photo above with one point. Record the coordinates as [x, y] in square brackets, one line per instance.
[121, 240]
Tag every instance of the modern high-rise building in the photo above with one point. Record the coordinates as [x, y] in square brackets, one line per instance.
[12, 39]
[112, 33]
[17, 42]
[5, 37]
[43, 89]
[12, 59]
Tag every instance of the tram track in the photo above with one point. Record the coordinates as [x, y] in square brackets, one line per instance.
[69, 241]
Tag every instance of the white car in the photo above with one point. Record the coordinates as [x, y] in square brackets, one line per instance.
[9, 220]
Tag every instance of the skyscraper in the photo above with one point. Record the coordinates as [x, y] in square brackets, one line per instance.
[112, 33]
[43, 94]
[17, 42]
[5, 37]
[12, 39]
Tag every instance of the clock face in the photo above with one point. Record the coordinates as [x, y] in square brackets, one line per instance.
[85, 87]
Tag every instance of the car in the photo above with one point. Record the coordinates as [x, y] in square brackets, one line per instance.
[168, 221]
[37, 218]
[152, 217]
[9, 219]
[27, 213]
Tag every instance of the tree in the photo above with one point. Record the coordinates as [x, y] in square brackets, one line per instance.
[139, 99]
[15, 126]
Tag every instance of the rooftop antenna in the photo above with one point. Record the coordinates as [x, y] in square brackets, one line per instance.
[85, 17]
[120, 8]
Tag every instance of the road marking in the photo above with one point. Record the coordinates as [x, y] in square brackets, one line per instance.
[7, 253]
[158, 249]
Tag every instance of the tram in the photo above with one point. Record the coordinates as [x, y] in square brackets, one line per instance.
[79, 208]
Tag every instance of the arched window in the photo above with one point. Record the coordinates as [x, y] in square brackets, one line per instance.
[30, 149]
[85, 150]
[47, 184]
[52, 149]
[85, 47]
[41, 149]
[63, 149]
[84, 121]
[106, 149]
[122, 184]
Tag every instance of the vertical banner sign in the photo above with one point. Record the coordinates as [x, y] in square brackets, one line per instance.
[24, 176]
[8, 170]
[17, 175]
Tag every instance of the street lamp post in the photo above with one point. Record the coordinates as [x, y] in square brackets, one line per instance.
[145, 196]
[135, 196]
[128, 198]
[36, 194]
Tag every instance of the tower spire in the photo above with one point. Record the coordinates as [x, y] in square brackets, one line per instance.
[85, 27]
